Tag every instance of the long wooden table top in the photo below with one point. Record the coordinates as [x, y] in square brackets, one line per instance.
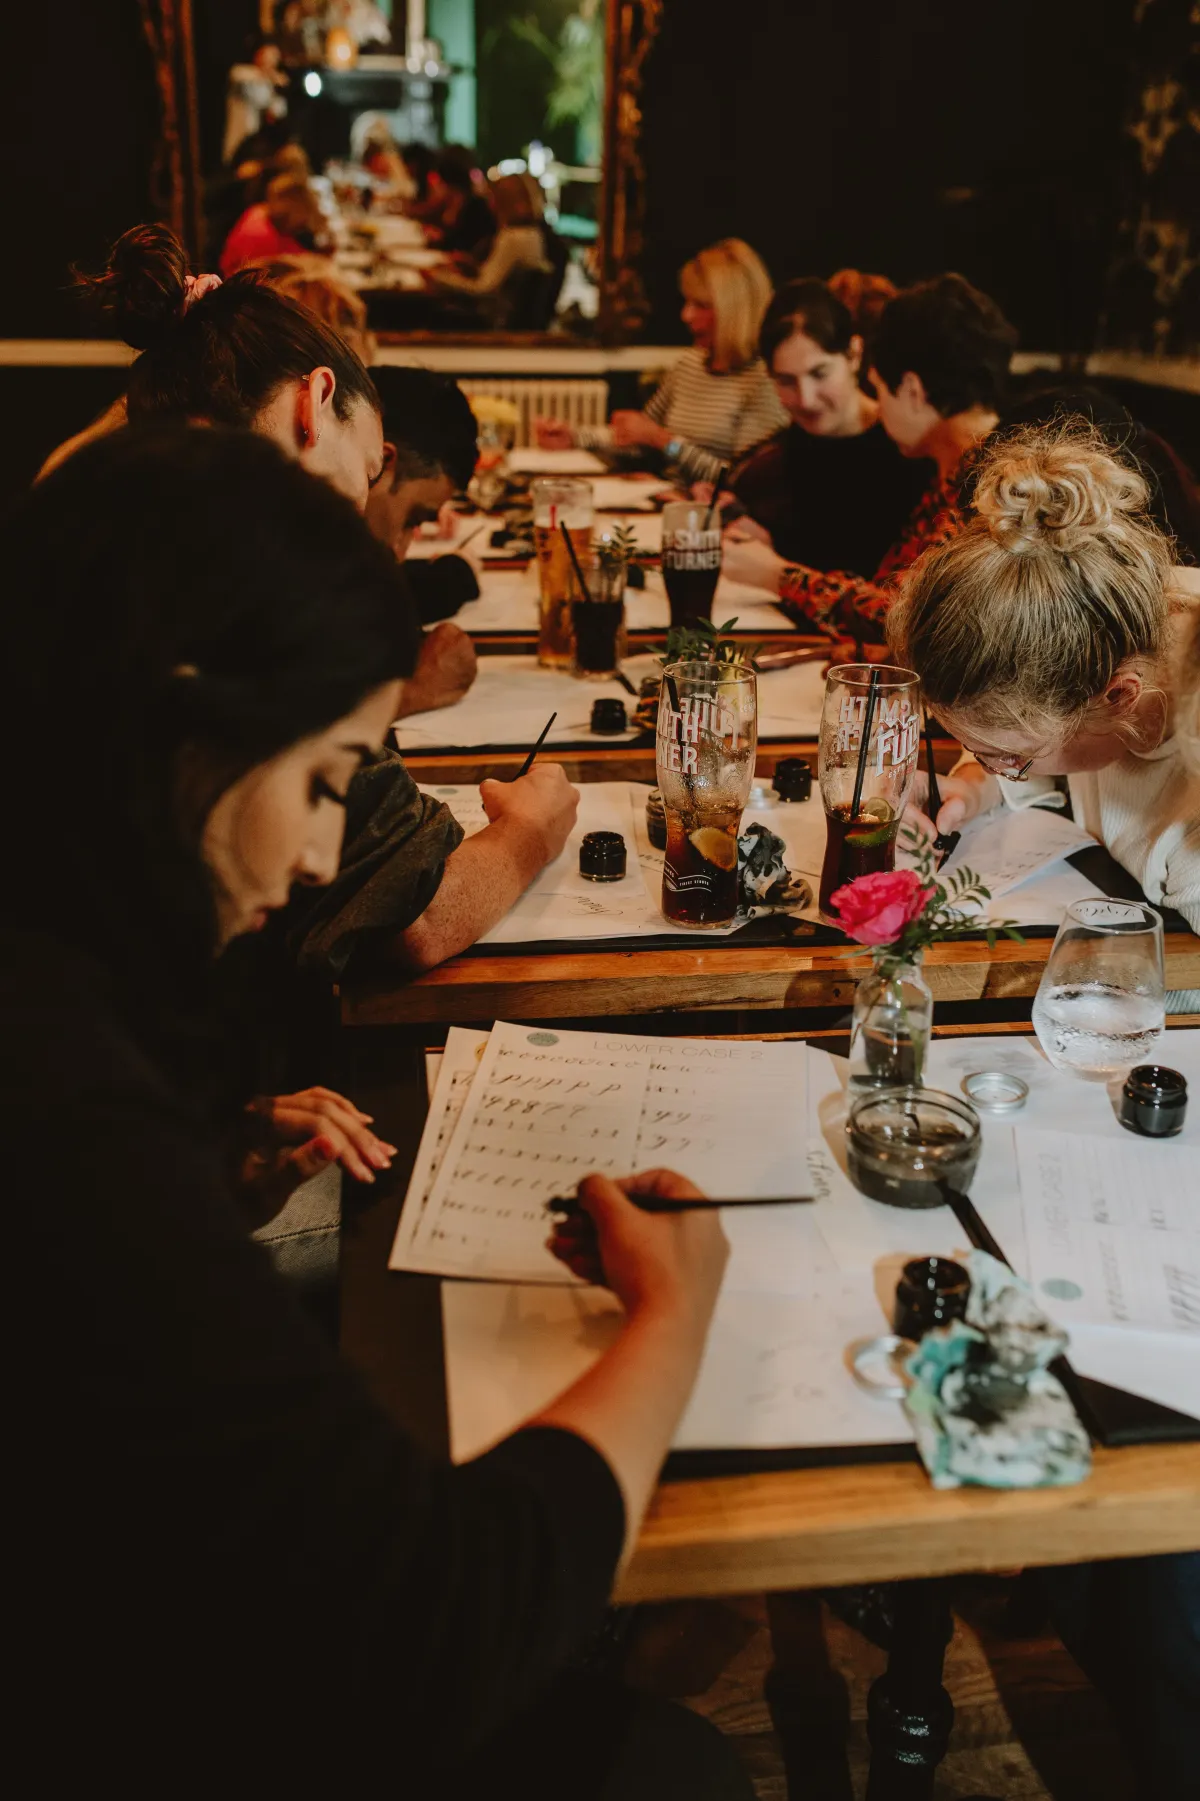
[856, 1522]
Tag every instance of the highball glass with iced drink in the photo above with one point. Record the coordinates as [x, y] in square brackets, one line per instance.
[707, 737]
[557, 502]
[863, 842]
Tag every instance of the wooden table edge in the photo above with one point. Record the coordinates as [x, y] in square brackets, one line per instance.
[883, 1522]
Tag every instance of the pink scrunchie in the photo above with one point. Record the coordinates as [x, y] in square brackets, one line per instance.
[196, 287]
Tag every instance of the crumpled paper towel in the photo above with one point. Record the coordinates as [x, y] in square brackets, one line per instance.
[985, 1409]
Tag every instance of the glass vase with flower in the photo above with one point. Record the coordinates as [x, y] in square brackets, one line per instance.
[898, 914]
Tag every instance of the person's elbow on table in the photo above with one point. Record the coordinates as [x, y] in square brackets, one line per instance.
[530, 822]
[445, 670]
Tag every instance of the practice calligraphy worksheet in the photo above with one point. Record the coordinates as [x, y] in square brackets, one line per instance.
[1112, 1229]
[546, 1108]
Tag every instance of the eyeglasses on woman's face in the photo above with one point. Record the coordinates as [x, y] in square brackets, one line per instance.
[1005, 763]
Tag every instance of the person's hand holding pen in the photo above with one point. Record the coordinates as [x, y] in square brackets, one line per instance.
[966, 793]
[539, 807]
[616, 1245]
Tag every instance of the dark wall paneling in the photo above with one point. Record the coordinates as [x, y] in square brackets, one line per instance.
[78, 121]
[905, 138]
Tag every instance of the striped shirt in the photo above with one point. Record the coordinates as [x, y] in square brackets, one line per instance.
[715, 418]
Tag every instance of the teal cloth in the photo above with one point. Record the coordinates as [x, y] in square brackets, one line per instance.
[984, 1407]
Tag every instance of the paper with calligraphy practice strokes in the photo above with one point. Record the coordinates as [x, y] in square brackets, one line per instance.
[456, 1067]
[1112, 1229]
[732, 1117]
[545, 1109]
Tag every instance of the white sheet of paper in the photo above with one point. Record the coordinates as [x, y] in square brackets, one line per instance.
[544, 1110]
[529, 459]
[1113, 1229]
[773, 1373]
[455, 1071]
[730, 1116]
[1006, 847]
[508, 597]
[562, 906]
[509, 703]
[627, 494]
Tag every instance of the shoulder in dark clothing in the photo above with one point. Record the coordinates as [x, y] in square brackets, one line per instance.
[214, 1516]
[393, 858]
[440, 585]
[832, 503]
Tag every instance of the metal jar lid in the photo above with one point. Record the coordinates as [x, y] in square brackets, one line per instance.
[995, 1090]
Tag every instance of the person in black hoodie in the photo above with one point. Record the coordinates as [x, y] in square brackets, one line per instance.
[233, 1568]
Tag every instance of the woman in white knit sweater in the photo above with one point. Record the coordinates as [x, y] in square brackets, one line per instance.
[1049, 637]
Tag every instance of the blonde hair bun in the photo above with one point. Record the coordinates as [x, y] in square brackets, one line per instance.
[1055, 491]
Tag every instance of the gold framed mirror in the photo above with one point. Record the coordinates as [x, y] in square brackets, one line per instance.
[630, 30]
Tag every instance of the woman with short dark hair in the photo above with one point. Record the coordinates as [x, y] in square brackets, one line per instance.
[939, 360]
[831, 491]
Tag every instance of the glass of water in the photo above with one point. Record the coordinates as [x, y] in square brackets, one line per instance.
[1101, 1004]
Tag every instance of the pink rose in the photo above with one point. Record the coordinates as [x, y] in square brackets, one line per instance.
[876, 908]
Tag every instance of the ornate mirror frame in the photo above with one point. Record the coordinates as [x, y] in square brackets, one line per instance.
[632, 27]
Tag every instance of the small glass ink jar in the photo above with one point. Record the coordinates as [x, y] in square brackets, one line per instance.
[1153, 1101]
[602, 857]
[608, 717]
[931, 1292]
[793, 779]
[905, 1146]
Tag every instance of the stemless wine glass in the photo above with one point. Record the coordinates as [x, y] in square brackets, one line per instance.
[691, 560]
[704, 755]
[1101, 1003]
[862, 841]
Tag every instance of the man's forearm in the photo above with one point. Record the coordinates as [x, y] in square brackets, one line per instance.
[483, 878]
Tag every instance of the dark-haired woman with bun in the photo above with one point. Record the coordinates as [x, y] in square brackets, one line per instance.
[832, 491]
[939, 365]
[236, 1575]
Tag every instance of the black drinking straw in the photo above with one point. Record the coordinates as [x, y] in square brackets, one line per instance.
[575, 563]
[868, 716]
[946, 843]
[722, 478]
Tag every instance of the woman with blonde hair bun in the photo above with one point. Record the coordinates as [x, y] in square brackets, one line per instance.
[1048, 636]
[717, 402]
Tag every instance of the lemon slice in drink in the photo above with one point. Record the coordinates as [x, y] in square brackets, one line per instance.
[715, 846]
[867, 835]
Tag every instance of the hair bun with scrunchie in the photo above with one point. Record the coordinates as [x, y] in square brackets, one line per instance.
[144, 286]
[1056, 491]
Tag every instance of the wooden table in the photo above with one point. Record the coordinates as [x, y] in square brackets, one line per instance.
[780, 1530]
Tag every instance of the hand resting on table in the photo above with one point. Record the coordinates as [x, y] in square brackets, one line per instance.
[299, 1136]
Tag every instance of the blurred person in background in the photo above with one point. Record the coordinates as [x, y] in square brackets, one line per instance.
[288, 222]
[717, 402]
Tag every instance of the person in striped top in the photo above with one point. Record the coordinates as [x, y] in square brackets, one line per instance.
[939, 366]
[717, 402]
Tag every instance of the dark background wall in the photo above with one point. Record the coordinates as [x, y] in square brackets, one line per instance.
[902, 136]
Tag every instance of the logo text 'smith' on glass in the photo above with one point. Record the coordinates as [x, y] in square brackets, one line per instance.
[862, 841]
[691, 560]
[704, 755]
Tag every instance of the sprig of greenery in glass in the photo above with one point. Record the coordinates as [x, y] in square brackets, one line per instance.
[704, 642]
